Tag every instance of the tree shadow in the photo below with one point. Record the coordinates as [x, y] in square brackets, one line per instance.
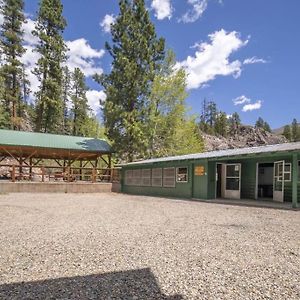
[133, 284]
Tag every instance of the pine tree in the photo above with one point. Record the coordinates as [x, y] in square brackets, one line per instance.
[234, 122]
[221, 124]
[287, 132]
[212, 112]
[49, 101]
[260, 123]
[137, 54]
[80, 106]
[66, 91]
[295, 131]
[11, 39]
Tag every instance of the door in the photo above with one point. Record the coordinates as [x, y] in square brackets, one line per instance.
[232, 181]
[278, 181]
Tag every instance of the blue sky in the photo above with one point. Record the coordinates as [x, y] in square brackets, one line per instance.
[245, 50]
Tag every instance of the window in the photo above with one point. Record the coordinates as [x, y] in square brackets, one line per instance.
[156, 177]
[299, 170]
[233, 177]
[182, 174]
[287, 172]
[169, 177]
[146, 177]
[279, 174]
[128, 177]
[136, 178]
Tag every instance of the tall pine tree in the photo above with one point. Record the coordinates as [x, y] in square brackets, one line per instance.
[11, 39]
[50, 25]
[137, 54]
[80, 106]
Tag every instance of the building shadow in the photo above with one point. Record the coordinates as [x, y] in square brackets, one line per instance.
[133, 284]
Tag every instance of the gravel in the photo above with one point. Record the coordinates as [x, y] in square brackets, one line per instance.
[113, 246]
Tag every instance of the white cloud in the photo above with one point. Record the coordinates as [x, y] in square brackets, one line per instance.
[28, 27]
[94, 98]
[82, 55]
[241, 100]
[107, 21]
[163, 9]
[254, 60]
[194, 13]
[212, 59]
[252, 106]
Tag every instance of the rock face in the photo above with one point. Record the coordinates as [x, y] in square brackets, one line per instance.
[245, 136]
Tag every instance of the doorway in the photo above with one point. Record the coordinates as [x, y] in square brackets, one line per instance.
[228, 177]
[265, 181]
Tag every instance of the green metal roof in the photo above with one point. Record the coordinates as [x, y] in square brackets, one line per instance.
[52, 141]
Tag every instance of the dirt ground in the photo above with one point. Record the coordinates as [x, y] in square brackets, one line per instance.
[113, 246]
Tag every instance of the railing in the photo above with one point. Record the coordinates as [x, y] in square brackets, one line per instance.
[56, 173]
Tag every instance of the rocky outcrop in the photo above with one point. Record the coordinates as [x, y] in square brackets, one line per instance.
[244, 136]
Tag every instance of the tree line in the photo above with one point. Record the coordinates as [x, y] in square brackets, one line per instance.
[292, 131]
[60, 105]
[216, 122]
[145, 112]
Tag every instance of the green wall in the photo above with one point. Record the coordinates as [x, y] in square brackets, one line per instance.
[203, 187]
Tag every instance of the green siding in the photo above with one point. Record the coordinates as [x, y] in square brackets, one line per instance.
[203, 187]
[200, 183]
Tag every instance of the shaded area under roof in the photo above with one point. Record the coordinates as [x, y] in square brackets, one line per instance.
[226, 153]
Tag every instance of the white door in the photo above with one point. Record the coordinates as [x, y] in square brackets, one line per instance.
[232, 181]
[278, 181]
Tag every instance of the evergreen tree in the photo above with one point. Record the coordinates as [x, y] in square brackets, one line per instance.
[49, 101]
[234, 122]
[203, 117]
[66, 91]
[295, 131]
[221, 124]
[137, 55]
[11, 39]
[287, 132]
[260, 123]
[80, 107]
[211, 116]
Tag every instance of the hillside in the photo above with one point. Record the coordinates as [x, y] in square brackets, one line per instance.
[279, 130]
[245, 136]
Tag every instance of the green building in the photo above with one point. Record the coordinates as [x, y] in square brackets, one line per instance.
[260, 173]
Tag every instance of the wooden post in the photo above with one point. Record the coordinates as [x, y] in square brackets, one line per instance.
[295, 181]
[68, 175]
[30, 168]
[80, 170]
[43, 174]
[110, 169]
[13, 173]
[93, 175]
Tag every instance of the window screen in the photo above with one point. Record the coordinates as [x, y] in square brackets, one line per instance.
[182, 174]
[169, 177]
[128, 177]
[157, 177]
[137, 178]
[146, 177]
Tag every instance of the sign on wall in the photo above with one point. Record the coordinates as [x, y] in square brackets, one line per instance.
[199, 170]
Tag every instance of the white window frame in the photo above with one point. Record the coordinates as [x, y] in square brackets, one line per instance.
[284, 173]
[173, 185]
[187, 175]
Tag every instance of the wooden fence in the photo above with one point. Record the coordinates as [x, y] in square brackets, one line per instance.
[56, 173]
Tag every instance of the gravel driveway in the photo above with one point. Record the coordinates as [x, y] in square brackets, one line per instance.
[112, 246]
